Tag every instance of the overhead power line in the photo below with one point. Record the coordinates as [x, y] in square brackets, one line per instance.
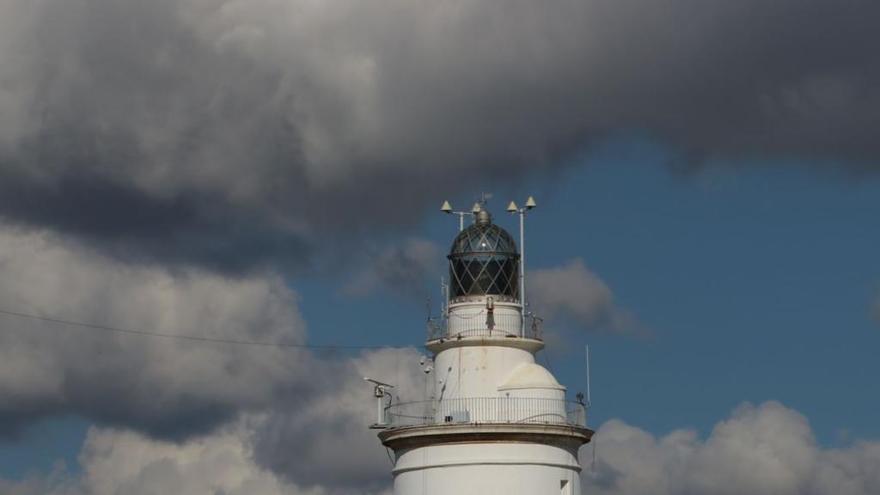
[144, 333]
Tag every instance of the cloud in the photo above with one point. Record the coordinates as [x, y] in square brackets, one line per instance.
[301, 416]
[116, 462]
[316, 445]
[406, 268]
[765, 449]
[172, 401]
[123, 462]
[167, 387]
[334, 448]
[573, 292]
[241, 133]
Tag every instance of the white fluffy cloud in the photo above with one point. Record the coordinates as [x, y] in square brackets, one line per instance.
[761, 450]
[168, 387]
[116, 462]
[573, 291]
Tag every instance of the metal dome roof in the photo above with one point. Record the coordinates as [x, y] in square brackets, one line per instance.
[483, 238]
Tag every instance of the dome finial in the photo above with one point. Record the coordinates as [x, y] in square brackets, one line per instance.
[484, 217]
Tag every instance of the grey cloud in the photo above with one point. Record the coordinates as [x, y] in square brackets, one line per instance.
[231, 129]
[316, 445]
[407, 268]
[169, 388]
[301, 416]
[335, 450]
[573, 292]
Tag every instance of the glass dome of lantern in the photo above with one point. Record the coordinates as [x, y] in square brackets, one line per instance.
[484, 261]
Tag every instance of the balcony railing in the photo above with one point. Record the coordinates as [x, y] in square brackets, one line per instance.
[486, 410]
[502, 325]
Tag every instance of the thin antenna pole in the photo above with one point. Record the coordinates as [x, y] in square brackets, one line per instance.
[429, 306]
[460, 222]
[444, 293]
[522, 266]
[589, 398]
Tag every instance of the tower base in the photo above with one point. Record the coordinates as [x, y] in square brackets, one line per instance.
[486, 459]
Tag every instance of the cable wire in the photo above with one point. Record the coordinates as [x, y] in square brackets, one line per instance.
[144, 333]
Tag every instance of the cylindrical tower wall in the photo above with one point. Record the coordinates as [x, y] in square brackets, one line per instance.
[479, 317]
[502, 468]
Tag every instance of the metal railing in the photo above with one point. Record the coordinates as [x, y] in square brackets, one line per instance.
[486, 410]
[503, 325]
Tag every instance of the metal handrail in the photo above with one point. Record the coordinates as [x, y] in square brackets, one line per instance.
[477, 326]
[486, 410]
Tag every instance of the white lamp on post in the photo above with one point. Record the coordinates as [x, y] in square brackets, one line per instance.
[512, 208]
[447, 208]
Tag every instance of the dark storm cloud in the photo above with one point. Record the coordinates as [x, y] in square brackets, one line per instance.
[408, 269]
[124, 221]
[230, 129]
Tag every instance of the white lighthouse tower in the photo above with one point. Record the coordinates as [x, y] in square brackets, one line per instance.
[496, 421]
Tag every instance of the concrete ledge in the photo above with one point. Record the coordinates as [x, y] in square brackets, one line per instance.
[417, 436]
[531, 345]
[497, 462]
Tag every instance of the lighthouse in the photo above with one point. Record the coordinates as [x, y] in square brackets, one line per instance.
[494, 420]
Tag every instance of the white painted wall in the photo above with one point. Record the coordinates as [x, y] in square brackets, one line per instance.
[487, 469]
[475, 371]
[466, 317]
